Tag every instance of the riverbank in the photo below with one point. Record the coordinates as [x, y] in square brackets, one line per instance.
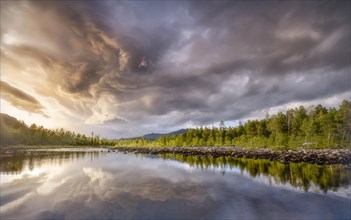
[325, 156]
[23, 148]
[313, 156]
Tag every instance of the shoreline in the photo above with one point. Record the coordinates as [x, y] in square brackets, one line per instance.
[313, 156]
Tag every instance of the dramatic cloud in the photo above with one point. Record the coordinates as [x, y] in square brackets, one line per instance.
[20, 99]
[136, 67]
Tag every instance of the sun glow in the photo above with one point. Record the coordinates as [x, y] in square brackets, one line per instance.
[28, 118]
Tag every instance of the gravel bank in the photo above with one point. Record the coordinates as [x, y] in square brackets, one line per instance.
[327, 156]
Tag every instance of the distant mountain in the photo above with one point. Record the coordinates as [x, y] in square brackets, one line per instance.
[154, 136]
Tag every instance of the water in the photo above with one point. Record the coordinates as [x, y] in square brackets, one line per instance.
[102, 185]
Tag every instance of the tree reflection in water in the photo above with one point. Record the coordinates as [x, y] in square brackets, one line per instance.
[15, 163]
[299, 175]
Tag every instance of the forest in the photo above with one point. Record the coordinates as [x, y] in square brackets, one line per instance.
[311, 127]
[14, 132]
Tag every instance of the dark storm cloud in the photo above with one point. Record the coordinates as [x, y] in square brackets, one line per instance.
[172, 63]
[21, 99]
[282, 37]
[293, 43]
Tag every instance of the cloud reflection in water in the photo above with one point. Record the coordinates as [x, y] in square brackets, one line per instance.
[117, 186]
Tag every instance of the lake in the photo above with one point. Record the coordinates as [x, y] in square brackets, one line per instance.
[95, 184]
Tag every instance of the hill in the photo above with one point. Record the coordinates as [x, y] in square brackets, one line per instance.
[7, 120]
[154, 136]
[16, 132]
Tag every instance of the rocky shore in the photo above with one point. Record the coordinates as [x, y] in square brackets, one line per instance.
[327, 156]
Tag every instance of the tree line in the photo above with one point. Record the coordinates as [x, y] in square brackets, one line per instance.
[14, 132]
[312, 127]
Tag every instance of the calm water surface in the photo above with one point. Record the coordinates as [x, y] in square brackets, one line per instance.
[102, 185]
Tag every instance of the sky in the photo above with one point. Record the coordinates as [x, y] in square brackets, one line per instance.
[127, 68]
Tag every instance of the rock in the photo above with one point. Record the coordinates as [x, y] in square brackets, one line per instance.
[309, 156]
